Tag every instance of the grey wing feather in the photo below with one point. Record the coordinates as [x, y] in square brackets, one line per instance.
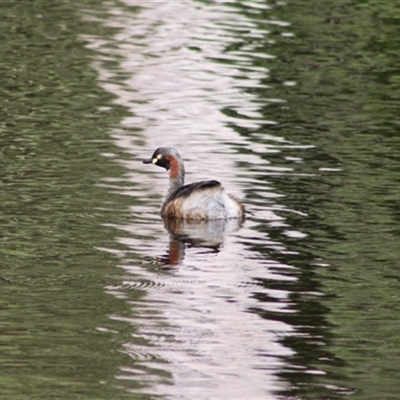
[187, 190]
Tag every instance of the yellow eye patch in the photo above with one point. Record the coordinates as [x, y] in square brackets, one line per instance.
[156, 158]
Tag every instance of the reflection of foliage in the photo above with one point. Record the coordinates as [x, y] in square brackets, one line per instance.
[46, 120]
[347, 54]
[344, 58]
[50, 272]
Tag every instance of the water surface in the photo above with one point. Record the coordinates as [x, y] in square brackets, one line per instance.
[293, 107]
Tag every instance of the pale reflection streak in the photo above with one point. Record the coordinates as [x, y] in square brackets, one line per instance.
[173, 86]
[168, 70]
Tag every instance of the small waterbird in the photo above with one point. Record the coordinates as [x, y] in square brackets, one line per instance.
[205, 200]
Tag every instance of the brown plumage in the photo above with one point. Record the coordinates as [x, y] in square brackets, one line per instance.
[197, 201]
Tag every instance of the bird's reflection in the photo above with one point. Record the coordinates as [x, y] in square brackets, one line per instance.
[209, 235]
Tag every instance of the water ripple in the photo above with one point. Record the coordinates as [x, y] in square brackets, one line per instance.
[188, 75]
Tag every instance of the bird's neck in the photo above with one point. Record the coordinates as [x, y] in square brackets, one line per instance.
[176, 180]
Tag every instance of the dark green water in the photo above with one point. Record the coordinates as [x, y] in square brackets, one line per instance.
[344, 58]
[307, 293]
[52, 210]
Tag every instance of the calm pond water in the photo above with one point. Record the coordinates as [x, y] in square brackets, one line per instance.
[293, 106]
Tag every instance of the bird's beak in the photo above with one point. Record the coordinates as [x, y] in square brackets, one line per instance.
[148, 161]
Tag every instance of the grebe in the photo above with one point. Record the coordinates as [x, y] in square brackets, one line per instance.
[205, 200]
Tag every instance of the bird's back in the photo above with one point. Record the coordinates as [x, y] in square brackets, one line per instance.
[203, 200]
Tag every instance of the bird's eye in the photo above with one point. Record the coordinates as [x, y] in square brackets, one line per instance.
[158, 157]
